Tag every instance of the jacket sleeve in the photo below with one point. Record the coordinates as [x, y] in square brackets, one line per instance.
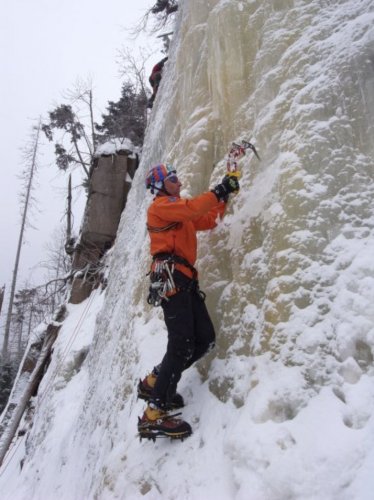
[209, 220]
[174, 209]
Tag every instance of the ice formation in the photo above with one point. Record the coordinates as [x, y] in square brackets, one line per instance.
[283, 409]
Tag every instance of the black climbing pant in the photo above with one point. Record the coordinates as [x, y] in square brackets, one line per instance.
[190, 335]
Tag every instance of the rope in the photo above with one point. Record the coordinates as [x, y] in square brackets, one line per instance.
[69, 344]
[5, 464]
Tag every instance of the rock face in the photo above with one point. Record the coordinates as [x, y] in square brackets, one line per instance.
[109, 186]
[110, 182]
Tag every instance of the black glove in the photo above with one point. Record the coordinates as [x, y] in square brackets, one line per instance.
[229, 184]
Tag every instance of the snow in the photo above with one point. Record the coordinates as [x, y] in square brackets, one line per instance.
[114, 145]
[283, 408]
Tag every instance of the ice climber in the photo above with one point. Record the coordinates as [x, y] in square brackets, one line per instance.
[155, 80]
[172, 223]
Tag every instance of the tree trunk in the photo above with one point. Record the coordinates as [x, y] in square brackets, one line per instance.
[31, 314]
[81, 161]
[19, 343]
[68, 217]
[58, 267]
[92, 125]
[2, 292]
[5, 352]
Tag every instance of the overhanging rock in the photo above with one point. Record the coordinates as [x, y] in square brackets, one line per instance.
[110, 182]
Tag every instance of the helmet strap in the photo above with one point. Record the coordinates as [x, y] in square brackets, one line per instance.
[162, 190]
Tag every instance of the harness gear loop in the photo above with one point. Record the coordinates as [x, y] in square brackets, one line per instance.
[175, 259]
[162, 283]
[163, 279]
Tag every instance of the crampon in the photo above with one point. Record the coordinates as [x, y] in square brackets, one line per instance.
[167, 426]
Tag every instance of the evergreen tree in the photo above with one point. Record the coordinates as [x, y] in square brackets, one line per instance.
[167, 6]
[63, 118]
[125, 118]
[70, 121]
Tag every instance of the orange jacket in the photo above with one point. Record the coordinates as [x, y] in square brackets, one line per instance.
[198, 214]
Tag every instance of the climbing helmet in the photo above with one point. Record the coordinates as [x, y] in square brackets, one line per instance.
[157, 174]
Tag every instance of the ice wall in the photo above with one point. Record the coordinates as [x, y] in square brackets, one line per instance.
[297, 78]
[284, 407]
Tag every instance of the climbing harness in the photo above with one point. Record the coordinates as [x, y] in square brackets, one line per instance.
[162, 278]
[154, 229]
[162, 282]
[175, 259]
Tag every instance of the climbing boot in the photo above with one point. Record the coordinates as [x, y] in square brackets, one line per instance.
[157, 422]
[145, 388]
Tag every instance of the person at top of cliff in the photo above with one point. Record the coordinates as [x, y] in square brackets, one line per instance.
[169, 6]
[155, 80]
[172, 223]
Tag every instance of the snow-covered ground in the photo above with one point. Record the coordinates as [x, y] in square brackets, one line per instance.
[283, 408]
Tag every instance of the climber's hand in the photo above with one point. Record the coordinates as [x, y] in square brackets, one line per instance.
[229, 184]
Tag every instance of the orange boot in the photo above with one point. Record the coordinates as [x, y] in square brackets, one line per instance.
[145, 388]
[157, 422]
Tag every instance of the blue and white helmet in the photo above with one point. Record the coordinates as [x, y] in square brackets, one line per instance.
[156, 176]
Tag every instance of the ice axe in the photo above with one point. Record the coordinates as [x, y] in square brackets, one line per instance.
[249, 145]
[237, 152]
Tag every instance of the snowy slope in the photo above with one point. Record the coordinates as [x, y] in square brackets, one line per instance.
[283, 409]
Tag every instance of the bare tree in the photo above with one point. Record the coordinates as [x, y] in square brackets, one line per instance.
[18, 323]
[133, 68]
[30, 157]
[82, 93]
[158, 16]
[29, 311]
[127, 117]
[57, 266]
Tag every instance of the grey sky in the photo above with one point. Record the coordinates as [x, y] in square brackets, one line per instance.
[45, 45]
